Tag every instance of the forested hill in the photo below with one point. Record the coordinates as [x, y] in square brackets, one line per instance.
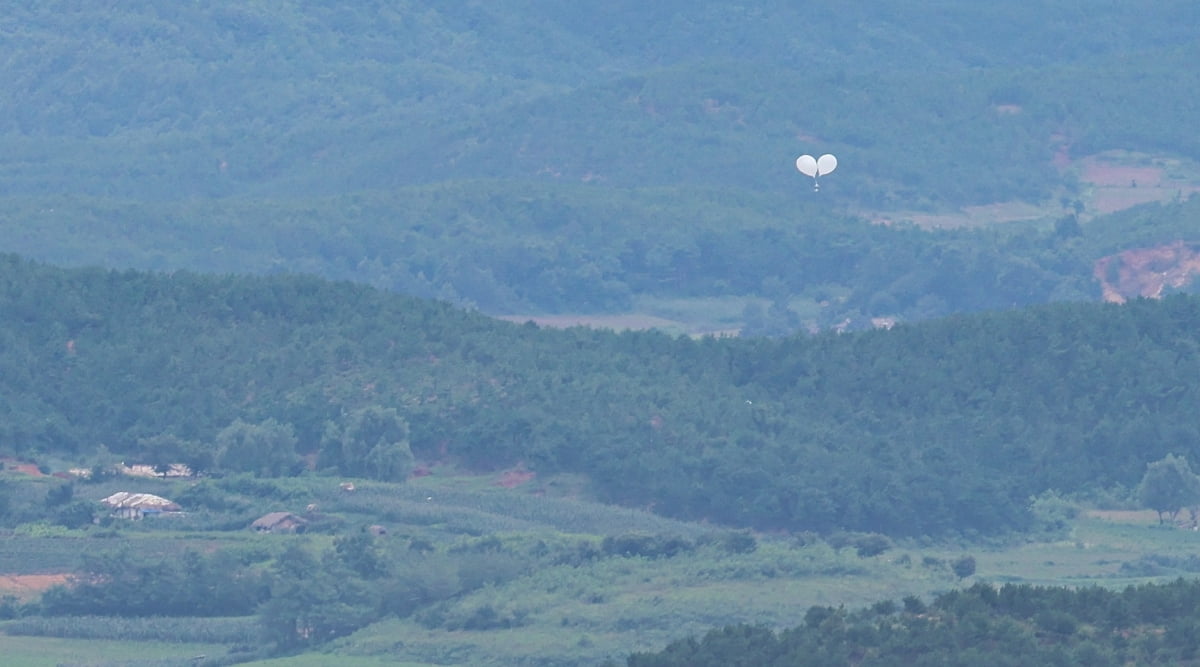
[504, 249]
[925, 101]
[630, 158]
[945, 426]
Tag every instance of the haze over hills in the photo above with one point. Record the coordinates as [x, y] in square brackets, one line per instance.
[263, 242]
[308, 97]
[627, 159]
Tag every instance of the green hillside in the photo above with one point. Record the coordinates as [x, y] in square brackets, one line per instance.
[173, 102]
[506, 249]
[958, 421]
[627, 156]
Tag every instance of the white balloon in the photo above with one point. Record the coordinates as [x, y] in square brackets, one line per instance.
[807, 165]
[826, 164]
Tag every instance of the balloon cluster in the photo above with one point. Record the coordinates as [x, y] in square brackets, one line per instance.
[816, 167]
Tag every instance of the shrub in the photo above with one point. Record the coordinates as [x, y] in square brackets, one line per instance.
[1058, 622]
[741, 542]
[913, 605]
[964, 566]
[648, 546]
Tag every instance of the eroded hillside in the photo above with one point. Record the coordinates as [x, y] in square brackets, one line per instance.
[1147, 272]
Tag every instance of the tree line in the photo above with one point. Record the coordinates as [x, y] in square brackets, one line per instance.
[503, 248]
[1152, 624]
[945, 426]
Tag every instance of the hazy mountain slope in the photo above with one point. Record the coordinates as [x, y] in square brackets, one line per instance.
[181, 101]
[624, 152]
[506, 248]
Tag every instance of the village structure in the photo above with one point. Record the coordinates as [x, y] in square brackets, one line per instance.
[126, 505]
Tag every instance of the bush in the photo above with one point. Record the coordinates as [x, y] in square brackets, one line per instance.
[741, 542]
[963, 567]
[864, 544]
[871, 545]
[647, 546]
[75, 514]
[1051, 512]
[1058, 622]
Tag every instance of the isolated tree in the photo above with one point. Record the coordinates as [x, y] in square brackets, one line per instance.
[963, 566]
[360, 554]
[267, 449]
[1168, 486]
[371, 442]
[313, 601]
[164, 450]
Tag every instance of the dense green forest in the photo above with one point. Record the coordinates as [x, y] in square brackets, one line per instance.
[503, 249]
[629, 153]
[983, 625]
[945, 426]
[169, 102]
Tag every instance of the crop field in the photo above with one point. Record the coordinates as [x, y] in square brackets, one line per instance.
[576, 612]
[55, 652]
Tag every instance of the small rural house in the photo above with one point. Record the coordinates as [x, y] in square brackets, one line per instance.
[126, 505]
[279, 522]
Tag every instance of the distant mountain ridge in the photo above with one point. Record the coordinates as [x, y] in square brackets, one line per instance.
[225, 99]
[629, 155]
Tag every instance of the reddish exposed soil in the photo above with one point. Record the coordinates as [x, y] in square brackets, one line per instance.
[421, 471]
[28, 586]
[30, 469]
[1108, 174]
[1146, 272]
[516, 477]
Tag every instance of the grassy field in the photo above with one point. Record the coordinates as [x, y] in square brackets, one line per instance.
[324, 659]
[54, 652]
[600, 608]
[582, 616]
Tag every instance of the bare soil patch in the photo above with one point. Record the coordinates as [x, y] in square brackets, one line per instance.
[25, 467]
[1146, 272]
[28, 586]
[1120, 180]
[511, 479]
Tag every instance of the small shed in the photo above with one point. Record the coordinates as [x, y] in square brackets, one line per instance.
[279, 522]
[127, 505]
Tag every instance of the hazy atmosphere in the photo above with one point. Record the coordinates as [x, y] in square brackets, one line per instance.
[524, 333]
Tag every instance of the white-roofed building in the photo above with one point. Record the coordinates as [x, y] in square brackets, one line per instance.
[128, 505]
